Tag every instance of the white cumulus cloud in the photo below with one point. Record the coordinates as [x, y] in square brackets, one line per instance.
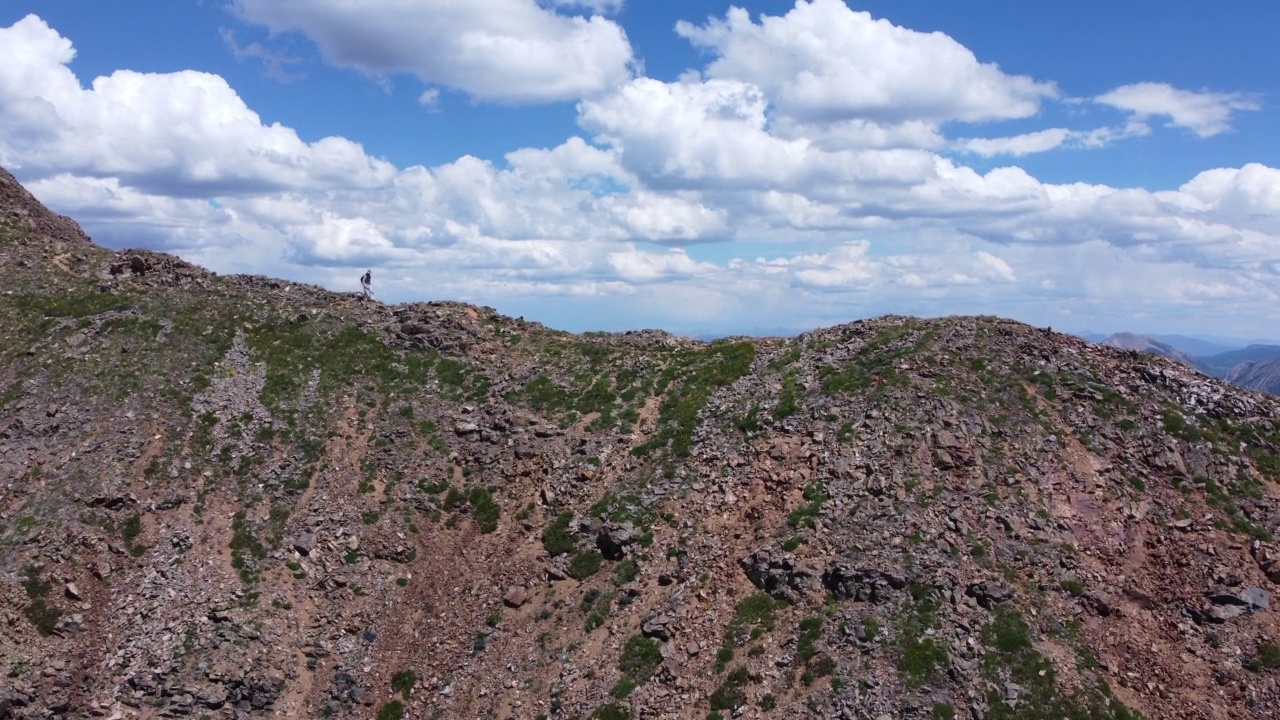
[178, 133]
[499, 50]
[638, 266]
[824, 62]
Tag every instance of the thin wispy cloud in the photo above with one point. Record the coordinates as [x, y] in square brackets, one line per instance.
[275, 63]
[1204, 113]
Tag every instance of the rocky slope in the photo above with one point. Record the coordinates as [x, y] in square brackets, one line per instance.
[243, 497]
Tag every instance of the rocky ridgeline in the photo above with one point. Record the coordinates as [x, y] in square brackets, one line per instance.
[244, 497]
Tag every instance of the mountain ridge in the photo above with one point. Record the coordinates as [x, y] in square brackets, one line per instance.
[1229, 365]
[240, 496]
[1263, 375]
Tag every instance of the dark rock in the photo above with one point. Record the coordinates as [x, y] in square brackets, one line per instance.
[990, 593]
[111, 502]
[849, 583]
[657, 626]
[613, 539]
[781, 576]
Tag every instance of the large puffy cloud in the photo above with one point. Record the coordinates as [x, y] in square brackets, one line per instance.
[501, 50]
[635, 265]
[1204, 113]
[824, 62]
[693, 131]
[184, 132]
[715, 134]
[1245, 197]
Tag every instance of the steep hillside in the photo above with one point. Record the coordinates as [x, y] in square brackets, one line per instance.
[1263, 375]
[245, 497]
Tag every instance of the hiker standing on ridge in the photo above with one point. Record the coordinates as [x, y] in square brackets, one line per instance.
[366, 285]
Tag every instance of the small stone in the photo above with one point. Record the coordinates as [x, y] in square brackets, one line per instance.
[657, 626]
[1223, 613]
[515, 597]
[73, 591]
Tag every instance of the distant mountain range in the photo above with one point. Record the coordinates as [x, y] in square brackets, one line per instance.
[1254, 366]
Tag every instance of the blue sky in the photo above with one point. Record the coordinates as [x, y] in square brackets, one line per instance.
[610, 164]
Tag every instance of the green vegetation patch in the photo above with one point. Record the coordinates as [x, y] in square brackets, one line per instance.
[484, 510]
[626, 571]
[597, 605]
[816, 664]
[810, 632]
[1073, 586]
[787, 403]
[1267, 658]
[623, 688]
[627, 508]
[292, 349]
[921, 656]
[130, 529]
[595, 380]
[753, 615]
[403, 682]
[556, 538]
[1012, 656]
[815, 494]
[732, 692]
[640, 658]
[688, 382]
[393, 710]
[873, 365]
[41, 614]
[611, 711]
[74, 304]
